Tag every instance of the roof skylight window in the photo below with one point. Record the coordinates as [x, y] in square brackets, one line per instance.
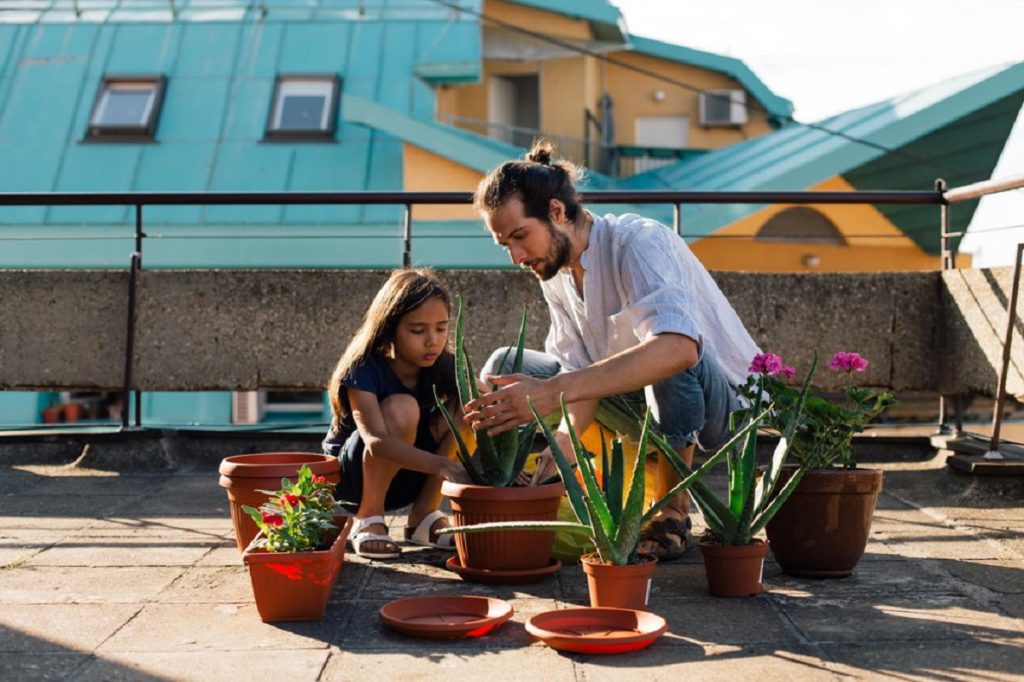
[304, 107]
[127, 108]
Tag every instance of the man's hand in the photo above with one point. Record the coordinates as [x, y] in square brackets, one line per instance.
[506, 408]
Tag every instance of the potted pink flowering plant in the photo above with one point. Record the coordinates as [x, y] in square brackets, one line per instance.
[822, 529]
[295, 559]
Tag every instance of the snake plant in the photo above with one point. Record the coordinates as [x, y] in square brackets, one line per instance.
[612, 516]
[499, 459]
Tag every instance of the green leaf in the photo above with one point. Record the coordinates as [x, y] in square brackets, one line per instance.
[573, 489]
[765, 516]
[606, 548]
[517, 365]
[586, 467]
[468, 463]
[460, 360]
[628, 533]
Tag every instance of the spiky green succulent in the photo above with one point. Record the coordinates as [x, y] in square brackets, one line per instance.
[498, 460]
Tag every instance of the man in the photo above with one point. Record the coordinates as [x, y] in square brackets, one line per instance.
[631, 308]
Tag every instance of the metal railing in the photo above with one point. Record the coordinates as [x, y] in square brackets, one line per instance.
[676, 199]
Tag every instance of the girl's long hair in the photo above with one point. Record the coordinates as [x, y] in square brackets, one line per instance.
[404, 291]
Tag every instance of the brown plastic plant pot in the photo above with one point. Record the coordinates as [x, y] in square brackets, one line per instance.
[296, 585]
[243, 475]
[503, 550]
[624, 587]
[734, 571]
[823, 527]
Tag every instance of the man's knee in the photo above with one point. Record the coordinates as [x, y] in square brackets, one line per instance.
[401, 415]
[500, 362]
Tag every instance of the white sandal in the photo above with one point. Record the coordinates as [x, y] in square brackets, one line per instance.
[361, 536]
[421, 534]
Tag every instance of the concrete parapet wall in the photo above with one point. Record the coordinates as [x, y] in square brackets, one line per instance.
[258, 329]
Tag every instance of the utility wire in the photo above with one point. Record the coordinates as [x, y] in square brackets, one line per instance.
[693, 88]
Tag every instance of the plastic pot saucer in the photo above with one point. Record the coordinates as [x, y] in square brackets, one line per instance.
[597, 630]
[448, 617]
[500, 577]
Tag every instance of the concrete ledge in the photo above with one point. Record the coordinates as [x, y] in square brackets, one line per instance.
[262, 329]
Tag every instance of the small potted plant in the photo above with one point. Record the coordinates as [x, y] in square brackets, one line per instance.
[295, 560]
[493, 467]
[733, 556]
[609, 515]
[823, 528]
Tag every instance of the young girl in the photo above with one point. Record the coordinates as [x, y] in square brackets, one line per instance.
[394, 445]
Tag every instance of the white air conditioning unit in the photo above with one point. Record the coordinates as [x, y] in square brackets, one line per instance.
[723, 108]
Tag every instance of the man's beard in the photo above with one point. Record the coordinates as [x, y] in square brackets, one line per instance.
[557, 256]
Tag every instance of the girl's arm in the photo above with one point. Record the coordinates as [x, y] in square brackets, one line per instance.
[380, 443]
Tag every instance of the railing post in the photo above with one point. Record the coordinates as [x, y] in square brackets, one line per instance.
[941, 186]
[407, 238]
[129, 354]
[677, 218]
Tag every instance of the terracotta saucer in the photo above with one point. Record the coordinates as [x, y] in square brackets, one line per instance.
[449, 617]
[597, 630]
[485, 575]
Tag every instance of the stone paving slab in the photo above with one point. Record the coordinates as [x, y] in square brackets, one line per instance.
[56, 585]
[153, 588]
[929, 660]
[203, 666]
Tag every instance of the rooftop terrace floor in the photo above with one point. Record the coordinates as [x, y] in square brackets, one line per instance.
[125, 575]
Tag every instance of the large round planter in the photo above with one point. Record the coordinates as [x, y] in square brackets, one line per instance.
[296, 585]
[503, 550]
[243, 475]
[734, 571]
[822, 529]
[624, 587]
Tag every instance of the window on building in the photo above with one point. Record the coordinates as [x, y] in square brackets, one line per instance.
[127, 108]
[304, 107]
[801, 225]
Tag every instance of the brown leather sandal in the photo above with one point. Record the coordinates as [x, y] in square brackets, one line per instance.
[664, 532]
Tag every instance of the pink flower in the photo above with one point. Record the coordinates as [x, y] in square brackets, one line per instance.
[273, 520]
[848, 362]
[766, 363]
[770, 364]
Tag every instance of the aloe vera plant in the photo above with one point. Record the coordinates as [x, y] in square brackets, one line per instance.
[498, 460]
[752, 498]
[612, 516]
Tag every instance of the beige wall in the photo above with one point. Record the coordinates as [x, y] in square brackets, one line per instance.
[423, 171]
[632, 93]
[873, 243]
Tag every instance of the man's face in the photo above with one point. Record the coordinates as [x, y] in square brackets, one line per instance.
[531, 242]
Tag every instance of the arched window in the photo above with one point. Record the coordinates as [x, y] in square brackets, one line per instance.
[802, 225]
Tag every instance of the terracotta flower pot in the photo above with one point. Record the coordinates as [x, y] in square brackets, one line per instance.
[243, 475]
[503, 550]
[734, 571]
[822, 529]
[624, 587]
[296, 585]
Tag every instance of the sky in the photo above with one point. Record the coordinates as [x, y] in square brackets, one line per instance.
[828, 57]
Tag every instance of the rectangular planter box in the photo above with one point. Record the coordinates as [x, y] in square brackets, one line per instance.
[296, 586]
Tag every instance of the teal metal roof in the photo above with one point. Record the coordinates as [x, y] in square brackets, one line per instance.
[604, 18]
[776, 106]
[955, 129]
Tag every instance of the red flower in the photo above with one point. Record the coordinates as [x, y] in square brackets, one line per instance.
[291, 500]
[319, 480]
[273, 520]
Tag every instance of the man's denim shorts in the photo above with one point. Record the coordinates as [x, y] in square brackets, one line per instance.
[690, 407]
